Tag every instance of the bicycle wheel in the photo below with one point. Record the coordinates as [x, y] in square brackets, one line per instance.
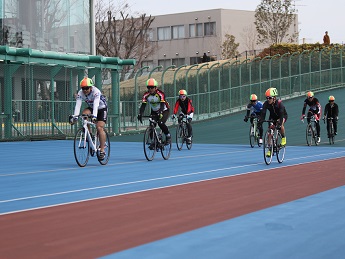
[149, 144]
[314, 134]
[165, 148]
[105, 160]
[81, 148]
[252, 136]
[309, 134]
[331, 134]
[280, 150]
[268, 148]
[179, 137]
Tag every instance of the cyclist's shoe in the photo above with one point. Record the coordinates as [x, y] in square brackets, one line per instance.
[268, 153]
[101, 155]
[152, 146]
[189, 140]
[260, 141]
[283, 142]
[318, 139]
[168, 140]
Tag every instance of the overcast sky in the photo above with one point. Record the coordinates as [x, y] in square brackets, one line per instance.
[314, 16]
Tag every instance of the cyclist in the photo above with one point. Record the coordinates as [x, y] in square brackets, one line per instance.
[254, 108]
[97, 106]
[331, 111]
[314, 109]
[277, 113]
[159, 106]
[185, 103]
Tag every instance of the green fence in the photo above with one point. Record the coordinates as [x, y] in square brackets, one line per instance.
[37, 92]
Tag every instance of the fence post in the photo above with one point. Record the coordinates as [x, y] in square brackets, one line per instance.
[165, 70]
[136, 91]
[209, 86]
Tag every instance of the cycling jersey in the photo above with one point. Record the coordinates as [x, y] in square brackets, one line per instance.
[156, 102]
[277, 111]
[94, 100]
[186, 106]
[254, 109]
[314, 107]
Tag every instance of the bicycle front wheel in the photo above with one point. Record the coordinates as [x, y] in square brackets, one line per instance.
[252, 136]
[309, 135]
[280, 150]
[81, 148]
[331, 134]
[179, 136]
[105, 160]
[149, 144]
[165, 148]
[268, 147]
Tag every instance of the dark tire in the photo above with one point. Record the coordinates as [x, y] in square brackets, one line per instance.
[149, 138]
[179, 137]
[280, 150]
[309, 134]
[268, 147]
[81, 148]
[251, 137]
[165, 148]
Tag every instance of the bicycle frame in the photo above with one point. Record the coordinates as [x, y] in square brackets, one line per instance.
[311, 132]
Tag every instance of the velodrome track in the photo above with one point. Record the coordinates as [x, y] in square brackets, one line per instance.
[217, 200]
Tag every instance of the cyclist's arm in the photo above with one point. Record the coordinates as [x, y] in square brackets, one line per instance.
[96, 105]
[190, 107]
[77, 107]
[142, 108]
[177, 104]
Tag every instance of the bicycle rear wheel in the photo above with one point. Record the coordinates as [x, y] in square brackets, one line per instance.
[105, 160]
[268, 147]
[81, 148]
[280, 150]
[251, 136]
[149, 144]
[179, 137]
[165, 148]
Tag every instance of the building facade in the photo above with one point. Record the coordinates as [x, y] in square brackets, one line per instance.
[62, 26]
[183, 38]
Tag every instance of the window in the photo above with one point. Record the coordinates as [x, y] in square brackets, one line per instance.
[210, 28]
[164, 62]
[177, 32]
[178, 62]
[164, 33]
[195, 30]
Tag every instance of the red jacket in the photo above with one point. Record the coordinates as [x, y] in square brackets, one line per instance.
[186, 106]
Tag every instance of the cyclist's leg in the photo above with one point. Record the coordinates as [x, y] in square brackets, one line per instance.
[335, 125]
[163, 126]
[101, 120]
[88, 111]
[189, 127]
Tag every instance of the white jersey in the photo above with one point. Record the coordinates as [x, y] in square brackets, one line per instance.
[94, 100]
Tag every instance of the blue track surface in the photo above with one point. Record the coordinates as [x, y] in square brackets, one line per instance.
[43, 174]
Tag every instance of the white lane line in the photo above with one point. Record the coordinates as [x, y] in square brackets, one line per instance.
[169, 177]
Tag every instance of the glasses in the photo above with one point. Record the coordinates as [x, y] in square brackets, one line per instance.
[182, 96]
[269, 97]
[310, 97]
[253, 101]
[150, 87]
[85, 88]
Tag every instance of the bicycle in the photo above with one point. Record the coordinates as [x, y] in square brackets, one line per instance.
[154, 142]
[271, 144]
[86, 144]
[311, 132]
[254, 134]
[331, 134]
[182, 133]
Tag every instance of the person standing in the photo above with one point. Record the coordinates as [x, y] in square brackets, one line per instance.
[326, 39]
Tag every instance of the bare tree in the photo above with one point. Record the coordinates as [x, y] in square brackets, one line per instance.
[229, 47]
[119, 34]
[273, 19]
[249, 37]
